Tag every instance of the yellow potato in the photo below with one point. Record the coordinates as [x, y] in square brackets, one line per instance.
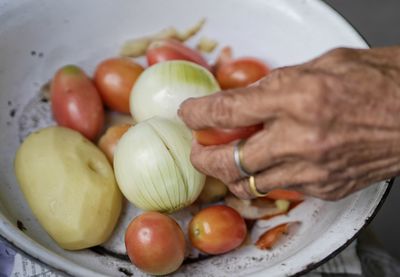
[70, 187]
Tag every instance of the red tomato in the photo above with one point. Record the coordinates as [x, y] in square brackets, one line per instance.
[166, 50]
[272, 236]
[240, 72]
[114, 79]
[110, 138]
[290, 195]
[215, 136]
[155, 243]
[75, 102]
[217, 229]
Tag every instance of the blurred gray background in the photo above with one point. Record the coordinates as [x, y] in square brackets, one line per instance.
[379, 23]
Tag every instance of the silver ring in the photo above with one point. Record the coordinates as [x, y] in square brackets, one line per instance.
[237, 157]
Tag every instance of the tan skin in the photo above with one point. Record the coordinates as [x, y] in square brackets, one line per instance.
[331, 125]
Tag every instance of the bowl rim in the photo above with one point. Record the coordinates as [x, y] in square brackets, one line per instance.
[368, 220]
[307, 268]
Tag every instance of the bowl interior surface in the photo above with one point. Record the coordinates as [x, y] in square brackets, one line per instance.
[38, 37]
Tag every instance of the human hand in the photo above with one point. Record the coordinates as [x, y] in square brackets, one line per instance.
[331, 125]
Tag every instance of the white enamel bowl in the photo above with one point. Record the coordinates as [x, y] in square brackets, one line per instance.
[37, 37]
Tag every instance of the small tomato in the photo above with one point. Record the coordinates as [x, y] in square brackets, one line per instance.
[240, 72]
[216, 136]
[75, 102]
[114, 79]
[155, 243]
[217, 229]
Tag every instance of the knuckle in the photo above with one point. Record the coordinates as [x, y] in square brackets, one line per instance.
[337, 55]
[280, 77]
[308, 97]
[322, 176]
[275, 74]
[318, 147]
[315, 145]
[314, 99]
[336, 191]
[329, 197]
[238, 189]
[340, 193]
[222, 108]
[323, 191]
[325, 194]
[223, 166]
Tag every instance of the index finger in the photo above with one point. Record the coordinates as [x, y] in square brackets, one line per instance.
[233, 108]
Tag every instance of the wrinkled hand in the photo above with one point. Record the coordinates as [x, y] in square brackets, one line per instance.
[331, 126]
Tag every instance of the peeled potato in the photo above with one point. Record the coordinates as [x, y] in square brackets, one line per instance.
[70, 187]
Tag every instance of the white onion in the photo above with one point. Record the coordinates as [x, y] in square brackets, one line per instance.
[161, 89]
[152, 166]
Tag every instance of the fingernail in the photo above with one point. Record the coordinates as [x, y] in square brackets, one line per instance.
[180, 113]
[186, 100]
